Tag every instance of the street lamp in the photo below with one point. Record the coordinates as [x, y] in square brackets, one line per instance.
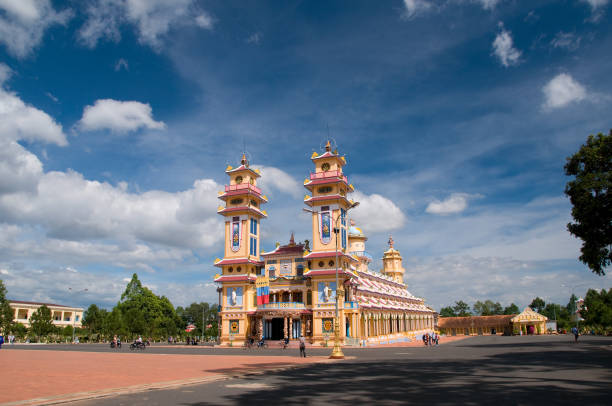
[337, 351]
[74, 312]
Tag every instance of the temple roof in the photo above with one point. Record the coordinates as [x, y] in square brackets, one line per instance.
[475, 321]
[291, 249]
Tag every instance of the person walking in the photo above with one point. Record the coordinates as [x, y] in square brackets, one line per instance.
[1, 340]
[576, 334]
[302, 346]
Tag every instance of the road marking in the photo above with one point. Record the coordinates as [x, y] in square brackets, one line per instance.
[403, 353]
[253, 385]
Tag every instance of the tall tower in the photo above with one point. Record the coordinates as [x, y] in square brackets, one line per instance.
[242, 212]
[328, 203]
[392, 263]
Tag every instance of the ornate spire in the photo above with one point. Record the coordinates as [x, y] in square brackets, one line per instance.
[244, 161]
[327, 146]
[390, 242]
[292, 240]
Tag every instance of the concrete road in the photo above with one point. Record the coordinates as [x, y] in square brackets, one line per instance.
[481, 370]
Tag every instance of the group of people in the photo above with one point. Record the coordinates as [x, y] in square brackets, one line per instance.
[432, 338]
[10, 339]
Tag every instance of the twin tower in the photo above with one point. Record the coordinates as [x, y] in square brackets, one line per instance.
[328, 202]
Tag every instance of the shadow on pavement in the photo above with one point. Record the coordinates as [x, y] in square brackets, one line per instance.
[545, 377]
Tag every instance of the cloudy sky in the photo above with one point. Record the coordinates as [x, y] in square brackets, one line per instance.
[118, 117]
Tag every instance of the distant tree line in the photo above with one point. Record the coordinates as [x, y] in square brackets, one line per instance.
[596, 310]
[139, 313]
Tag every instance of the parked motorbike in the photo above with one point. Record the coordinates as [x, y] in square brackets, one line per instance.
[115, 344]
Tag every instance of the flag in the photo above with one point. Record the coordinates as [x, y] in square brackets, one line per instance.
[263, 290]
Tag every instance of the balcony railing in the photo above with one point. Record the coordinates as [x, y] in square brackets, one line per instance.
[361, 254]
[351, 305]
[328, 174]
[282, 305]
[242, 186]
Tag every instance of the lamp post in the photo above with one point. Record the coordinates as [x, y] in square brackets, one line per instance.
[74, 312]
[337, 351]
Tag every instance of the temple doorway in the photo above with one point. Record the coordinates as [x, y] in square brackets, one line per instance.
[274, 329]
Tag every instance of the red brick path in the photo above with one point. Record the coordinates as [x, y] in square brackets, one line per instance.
[43, 374]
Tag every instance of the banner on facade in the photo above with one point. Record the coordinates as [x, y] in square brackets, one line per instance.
[236, 234]
[325, 226]
[263, 290]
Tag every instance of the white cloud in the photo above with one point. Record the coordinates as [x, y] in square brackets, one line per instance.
[255, 38]
[22, 121]
[414, 8]
[5, 73]
[561, 91]
[376, 213]
[121, 64]
[596, 4]
[455, 203]
[488, 4]
[274, 178]
[566, 40]
[504, 49]
[204, 21]
[152, 19]
[23, 24]
[597, 8]
[118, 116]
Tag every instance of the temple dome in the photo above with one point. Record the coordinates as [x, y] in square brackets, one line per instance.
[355, 231]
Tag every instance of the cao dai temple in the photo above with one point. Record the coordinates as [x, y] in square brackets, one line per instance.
[291, 290]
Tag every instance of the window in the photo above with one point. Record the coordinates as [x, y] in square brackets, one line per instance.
[253, 226]
[299, 260]
[309, 298]
[253, 203]
[324, 189]
[300, 270]
[230, 269]
[236, 201]
[253, 250]
[344, 238]
[343, 216]
[271, 261]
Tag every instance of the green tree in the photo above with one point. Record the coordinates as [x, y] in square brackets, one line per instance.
[487, 308]
[93, 319]
[143, 312]
[537, 305]
[512, 309]
[67, 331]
[6, 313]
[462, 309]
[591, 204]
[597, 310]
[41, 322]
[447, 312]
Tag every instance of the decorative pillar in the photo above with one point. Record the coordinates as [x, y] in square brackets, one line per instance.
[285, 329]
[290, 323]
[260, 328]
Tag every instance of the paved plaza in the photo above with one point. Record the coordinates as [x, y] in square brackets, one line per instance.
[476, 370]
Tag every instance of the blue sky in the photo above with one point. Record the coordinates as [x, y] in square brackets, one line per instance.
[118, 117]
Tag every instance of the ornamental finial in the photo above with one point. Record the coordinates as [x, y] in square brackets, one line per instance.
[327, 146]
[244, 161]
[391, 242]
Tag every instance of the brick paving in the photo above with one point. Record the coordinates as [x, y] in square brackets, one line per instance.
[40, 374]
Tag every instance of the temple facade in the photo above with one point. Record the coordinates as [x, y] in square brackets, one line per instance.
[292, 290]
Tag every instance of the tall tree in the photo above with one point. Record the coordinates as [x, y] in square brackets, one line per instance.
[591, 203]
[512, 309]
[93, 319]
[462, 309]
[6, 313]
[538, 304]
[597, 310]
[487, 308]
[447, 312]
[41, 322]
